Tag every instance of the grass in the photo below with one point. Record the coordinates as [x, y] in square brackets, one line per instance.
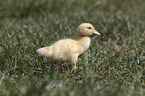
[114, 65]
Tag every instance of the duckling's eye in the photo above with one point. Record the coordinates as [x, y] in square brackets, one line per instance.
[89, 27]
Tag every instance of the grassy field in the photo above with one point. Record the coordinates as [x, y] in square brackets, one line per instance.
[114, 65]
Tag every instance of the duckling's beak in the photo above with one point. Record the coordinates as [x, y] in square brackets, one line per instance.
[97, 33]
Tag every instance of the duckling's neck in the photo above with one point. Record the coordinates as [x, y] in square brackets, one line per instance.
[84, 41]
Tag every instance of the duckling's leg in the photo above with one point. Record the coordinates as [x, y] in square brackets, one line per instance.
[74, 61]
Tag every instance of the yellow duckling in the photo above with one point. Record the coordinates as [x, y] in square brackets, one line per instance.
[68, 50]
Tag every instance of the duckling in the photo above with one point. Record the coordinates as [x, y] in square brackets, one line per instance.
[68, 50]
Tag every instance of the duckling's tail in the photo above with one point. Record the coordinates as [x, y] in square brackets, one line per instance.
[45, 51]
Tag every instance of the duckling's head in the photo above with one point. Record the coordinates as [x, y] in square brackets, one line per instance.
[86, 29]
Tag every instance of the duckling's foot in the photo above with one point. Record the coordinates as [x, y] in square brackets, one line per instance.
[74, 67]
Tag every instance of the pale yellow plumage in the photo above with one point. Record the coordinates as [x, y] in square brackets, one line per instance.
[68, 50]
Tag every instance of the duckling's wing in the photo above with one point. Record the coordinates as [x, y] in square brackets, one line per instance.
[75, 47]
[65, 49]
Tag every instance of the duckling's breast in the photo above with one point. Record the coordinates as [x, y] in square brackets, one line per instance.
[84, 42]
